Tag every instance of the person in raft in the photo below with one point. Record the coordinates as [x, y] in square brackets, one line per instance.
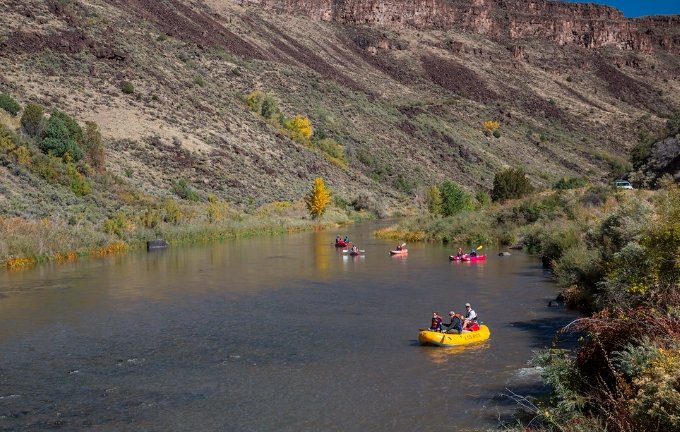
[436, 322]
[470, 318]
[346, 239]
[455, 324]
[337, 239]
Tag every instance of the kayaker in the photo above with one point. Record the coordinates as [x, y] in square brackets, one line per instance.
[473, 253]
[398, 247]
[355, 249]
[436, 322]
[460, 253]
[470, 316]
[455, 324]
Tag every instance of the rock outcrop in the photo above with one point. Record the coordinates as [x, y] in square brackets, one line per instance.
[584, 24]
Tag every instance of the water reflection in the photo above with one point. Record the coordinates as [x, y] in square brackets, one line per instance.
[444, 355]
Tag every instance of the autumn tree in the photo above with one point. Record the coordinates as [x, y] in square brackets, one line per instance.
[491, 126]
[318, 199]
[434, 200]
[299, 126]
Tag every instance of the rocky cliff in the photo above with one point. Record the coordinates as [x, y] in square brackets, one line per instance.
[582, 24]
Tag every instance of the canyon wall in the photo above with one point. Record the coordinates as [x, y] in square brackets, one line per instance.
[584, 24]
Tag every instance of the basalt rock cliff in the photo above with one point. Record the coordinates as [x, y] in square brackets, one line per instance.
[583, 24]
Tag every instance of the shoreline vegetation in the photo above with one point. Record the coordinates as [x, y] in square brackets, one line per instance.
[616, 255]
[70, 207]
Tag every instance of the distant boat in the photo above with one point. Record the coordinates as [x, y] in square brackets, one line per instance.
[399, 252]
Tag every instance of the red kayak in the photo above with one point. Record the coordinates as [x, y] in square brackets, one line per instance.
[341, 243]
[467, 258]
[473, 258]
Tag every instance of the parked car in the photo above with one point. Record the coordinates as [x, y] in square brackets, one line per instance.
[623, 184]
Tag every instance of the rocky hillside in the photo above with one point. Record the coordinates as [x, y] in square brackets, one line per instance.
[403, 86]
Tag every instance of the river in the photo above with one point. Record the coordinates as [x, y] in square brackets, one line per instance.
[267, 334]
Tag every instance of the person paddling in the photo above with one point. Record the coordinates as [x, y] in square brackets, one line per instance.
[455, 324]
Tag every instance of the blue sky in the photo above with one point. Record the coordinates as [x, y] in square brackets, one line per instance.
[636, 8]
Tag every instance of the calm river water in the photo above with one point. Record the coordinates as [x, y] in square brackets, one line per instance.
[267, 334]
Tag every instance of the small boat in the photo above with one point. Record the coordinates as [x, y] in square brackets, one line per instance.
[452, 339]
[399, 252]
[341, 243]
[455, 257]
[355, 253]
[473, 258]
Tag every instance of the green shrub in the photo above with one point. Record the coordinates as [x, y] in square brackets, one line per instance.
[78, 183]
[33, 119]
[254, 101]
[184, 190]
[580, 266]
[433, 200]
[510, 183]
[269, 108]
[454, 199]
[497, 133]
[570, 183]
[47, 167]
[483, 199]
[117, 224]
[127, 87]
[172, 212]
[75, 132]
[331, 148]
[199, 81]
[94, 147]
[673, 124]
[151, 218]
[58, 141]
[9, 104]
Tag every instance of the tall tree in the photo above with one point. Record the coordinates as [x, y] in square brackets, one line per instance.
[318, 199]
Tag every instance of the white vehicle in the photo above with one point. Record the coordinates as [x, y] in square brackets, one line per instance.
[623, 184]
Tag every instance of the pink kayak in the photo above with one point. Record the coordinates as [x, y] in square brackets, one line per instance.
[467, 257]
[474, 258]
[399, 252]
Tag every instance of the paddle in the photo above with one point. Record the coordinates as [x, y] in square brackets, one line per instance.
[347, 250]
[479, 247]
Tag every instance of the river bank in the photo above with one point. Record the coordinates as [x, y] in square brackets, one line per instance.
[26, 243]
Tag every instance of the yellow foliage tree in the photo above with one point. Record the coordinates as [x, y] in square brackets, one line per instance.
[318, 199]
[490, 126]
[300, 125]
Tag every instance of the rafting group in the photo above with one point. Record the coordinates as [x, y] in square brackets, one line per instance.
[460, 330]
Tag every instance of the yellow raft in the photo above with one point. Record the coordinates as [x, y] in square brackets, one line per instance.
[453, 339]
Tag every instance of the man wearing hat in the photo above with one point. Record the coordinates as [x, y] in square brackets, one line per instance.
[470, 316]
